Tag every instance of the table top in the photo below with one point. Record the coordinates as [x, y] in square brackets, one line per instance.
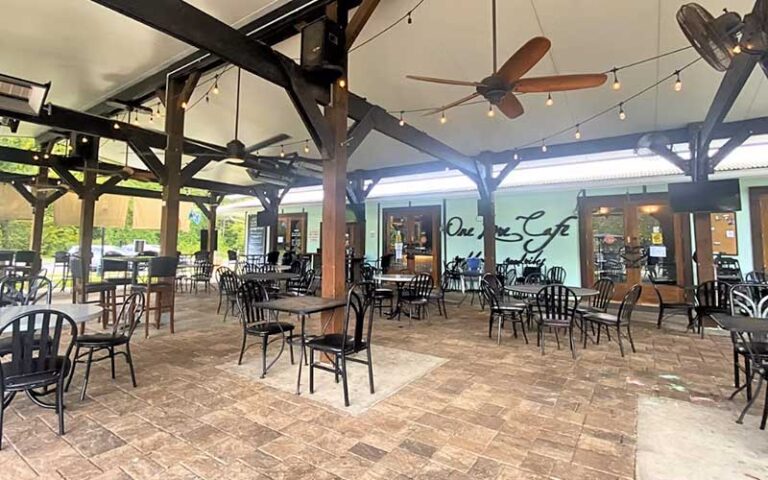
[394, 277]
[533, 289]
[741, 323]
[302, 305]
[270, 276]
[80, 312]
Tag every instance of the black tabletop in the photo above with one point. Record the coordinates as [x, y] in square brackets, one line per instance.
[533, 289]
[270, 276]
[302, 305]
[742, 324]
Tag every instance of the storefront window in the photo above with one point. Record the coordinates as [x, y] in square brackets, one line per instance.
[608, 242]
[656, 237]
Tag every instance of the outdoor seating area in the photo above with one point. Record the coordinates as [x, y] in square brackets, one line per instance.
[367, 240]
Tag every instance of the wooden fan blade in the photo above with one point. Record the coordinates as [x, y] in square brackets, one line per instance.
[524, 59]
[451, 105]
[444, 81]
[559, 83]
[511, 106]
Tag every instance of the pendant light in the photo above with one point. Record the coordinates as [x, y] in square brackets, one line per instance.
[236, 148]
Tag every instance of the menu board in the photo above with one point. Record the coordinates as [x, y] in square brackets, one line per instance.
[255, 237]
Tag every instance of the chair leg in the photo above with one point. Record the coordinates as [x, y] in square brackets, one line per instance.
[370, 370]
[72, 368]
[631, 342]
[344, 379]
[87, 373]
[765, 411]
[290, 348]
[599, 327]
[264, 342]
[490, 326]
[129, 359]
[740, 420]
[522, 329]
[60, 403]
[2, 411]
[661, 315]
[570, 339]
[618, 337]
[242, 350]
[748, 377]
[111, 351]
[557, 339]
[311, 370]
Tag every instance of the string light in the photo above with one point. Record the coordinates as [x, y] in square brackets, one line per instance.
[306, 146]
[491, 113]
[215, 89]
[550, 101]
[136, 119]
[737, 49]
[678, 83]
[158, 112]
[410, 20]
[543, 146]
[84, 140]
[282, 151]
[151, 118]
[183, 105]
[515, 156]
[402, 120]
[443, 120]
[616, 83]
[116, 126]
[46, 156]
[577, 134]
[622, 113]
[35, 157]
[342, 83]
[207, 99]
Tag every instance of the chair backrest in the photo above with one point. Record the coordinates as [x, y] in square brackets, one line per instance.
[474, 264]
[131, 311]
[628, 304]
[557, 302]
[756, 276]
[6, 258]
[248, 294]
[510, 276]
[228, 281]
[273, 257]
[533, 278]
[749, 299]
[76, 268]
[249, 268]
[386, 262]
[494, 282]
[11, 291]
[490, 291]
[202, 255]
[605, 288]
[61, 257]
[110, 265]
[231, 255]
[421, 285]
[25, 257]
[359, 305]
[40, 291]
[161, 267]
[38, 340]
[203, 269]
[556, 275]
[367, 271]
[714, 294]
[728, 268]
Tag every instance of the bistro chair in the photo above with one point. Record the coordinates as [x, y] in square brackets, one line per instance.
[24, 261]
[11, 291]
[556, 308]
[528, 270]
[245, 268]
[116, 272]
[40, 345]
[438, 295]
[61, 263]
[556, 276]
[728, 270]
[260, 323]
[201, 273]
[301, 286]
[273, 257]
[380, 293]
[533, 278]
[621, 319]
[748, 300]
[756, 276]
[40, 291]
[668, 309]
[232, 259]
[416, 296]
[82, 289]
[160, 287]
[712, 297]
[6, 262]
[228, 285]
[355, 337]
[120, 337]
[512, 312]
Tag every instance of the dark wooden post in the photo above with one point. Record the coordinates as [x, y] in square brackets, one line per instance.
[177, 94]
[212, 229]
[702, 226]
[488, 212]
[88, 149]
[38, 208]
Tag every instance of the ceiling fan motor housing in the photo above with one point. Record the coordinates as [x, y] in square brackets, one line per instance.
[494, 89]
[713, 38]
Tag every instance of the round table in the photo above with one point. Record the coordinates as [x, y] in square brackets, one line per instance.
[80, 312]
[534, 289]
[399, 279]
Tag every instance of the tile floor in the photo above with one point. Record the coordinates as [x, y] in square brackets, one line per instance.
[488, 412]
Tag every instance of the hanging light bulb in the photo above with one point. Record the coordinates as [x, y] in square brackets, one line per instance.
[136, 119]
[491, 112]
[282, 152]
[410, 20]
[550, 101]
[543, 146]
[678, 83]
[116, 126]
[577, 135]
[443, 120]
[616, 83]
[183, 105]
[46, 156]
[622, 113]
[215, 89]
[151, 118]
[342, 83]
[737, 49]
[306, 146]
[207, 99]
[35, 157]
[402, 120]
[515, 156]
[158, 112]
[84, 140]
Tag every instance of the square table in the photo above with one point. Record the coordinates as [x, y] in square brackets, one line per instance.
[303, 307]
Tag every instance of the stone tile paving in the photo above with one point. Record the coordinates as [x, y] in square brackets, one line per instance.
[489, 412]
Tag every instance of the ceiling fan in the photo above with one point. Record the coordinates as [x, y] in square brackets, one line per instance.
[503, 85]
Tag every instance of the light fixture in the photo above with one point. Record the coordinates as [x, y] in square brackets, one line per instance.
[84, 140]
[678, 83]
[207, 99]
[306, 146]
[151, 118]
[410, 20]
[491, 113]
[46, 156]
[35, 157]
[622, 113]
[543, 146]
[577, 134]
[443, 120]
[402, 120]
[135, 119]
[737, 49]
[215, 88]
[158, 112]
[342, 83]
[22, 96]
[116, 126]
[236, 148]
[550, 101]
[282, 152]
[515, 156]
[616, 83]
[183, 105]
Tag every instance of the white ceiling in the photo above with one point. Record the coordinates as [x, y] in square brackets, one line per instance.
[88, 52]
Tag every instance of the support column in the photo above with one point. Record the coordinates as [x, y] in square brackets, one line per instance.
[87, 148]
[705, 267]
[488, 212]
[212, 229]
[38, 208]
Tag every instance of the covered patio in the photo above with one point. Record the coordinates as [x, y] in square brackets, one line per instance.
[526, 239]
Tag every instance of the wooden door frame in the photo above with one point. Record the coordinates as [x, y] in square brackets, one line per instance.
[302, 216]
[684, 269]
[756, 227]
[437, 247]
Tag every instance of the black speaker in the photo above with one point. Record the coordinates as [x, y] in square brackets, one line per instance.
[204, 240]
[322, 49]
[265, 218]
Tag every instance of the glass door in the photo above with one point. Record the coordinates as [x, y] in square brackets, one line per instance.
[292, 232]
[412, 238]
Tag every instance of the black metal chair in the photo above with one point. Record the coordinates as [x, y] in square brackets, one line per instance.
[82, 289]
[556, 309]
[668, 309]
[499, 311]
[228, 284]
[355, 337]
[245, 268]
[11, 291]
[533, 278]
[260, 323]
[756, 276]
[202, 272]
[273, 257]
[61, 262]
[416, 296]
[712, 297]
[556, 276]
[40, 290]
[161, 284]
[438, 295]
[24, 261]
[380, 293]
[120, 337]
[749, 300]
[117, 272]
[728, 270]
[621, 319]
[40, 345]
[301, 286]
